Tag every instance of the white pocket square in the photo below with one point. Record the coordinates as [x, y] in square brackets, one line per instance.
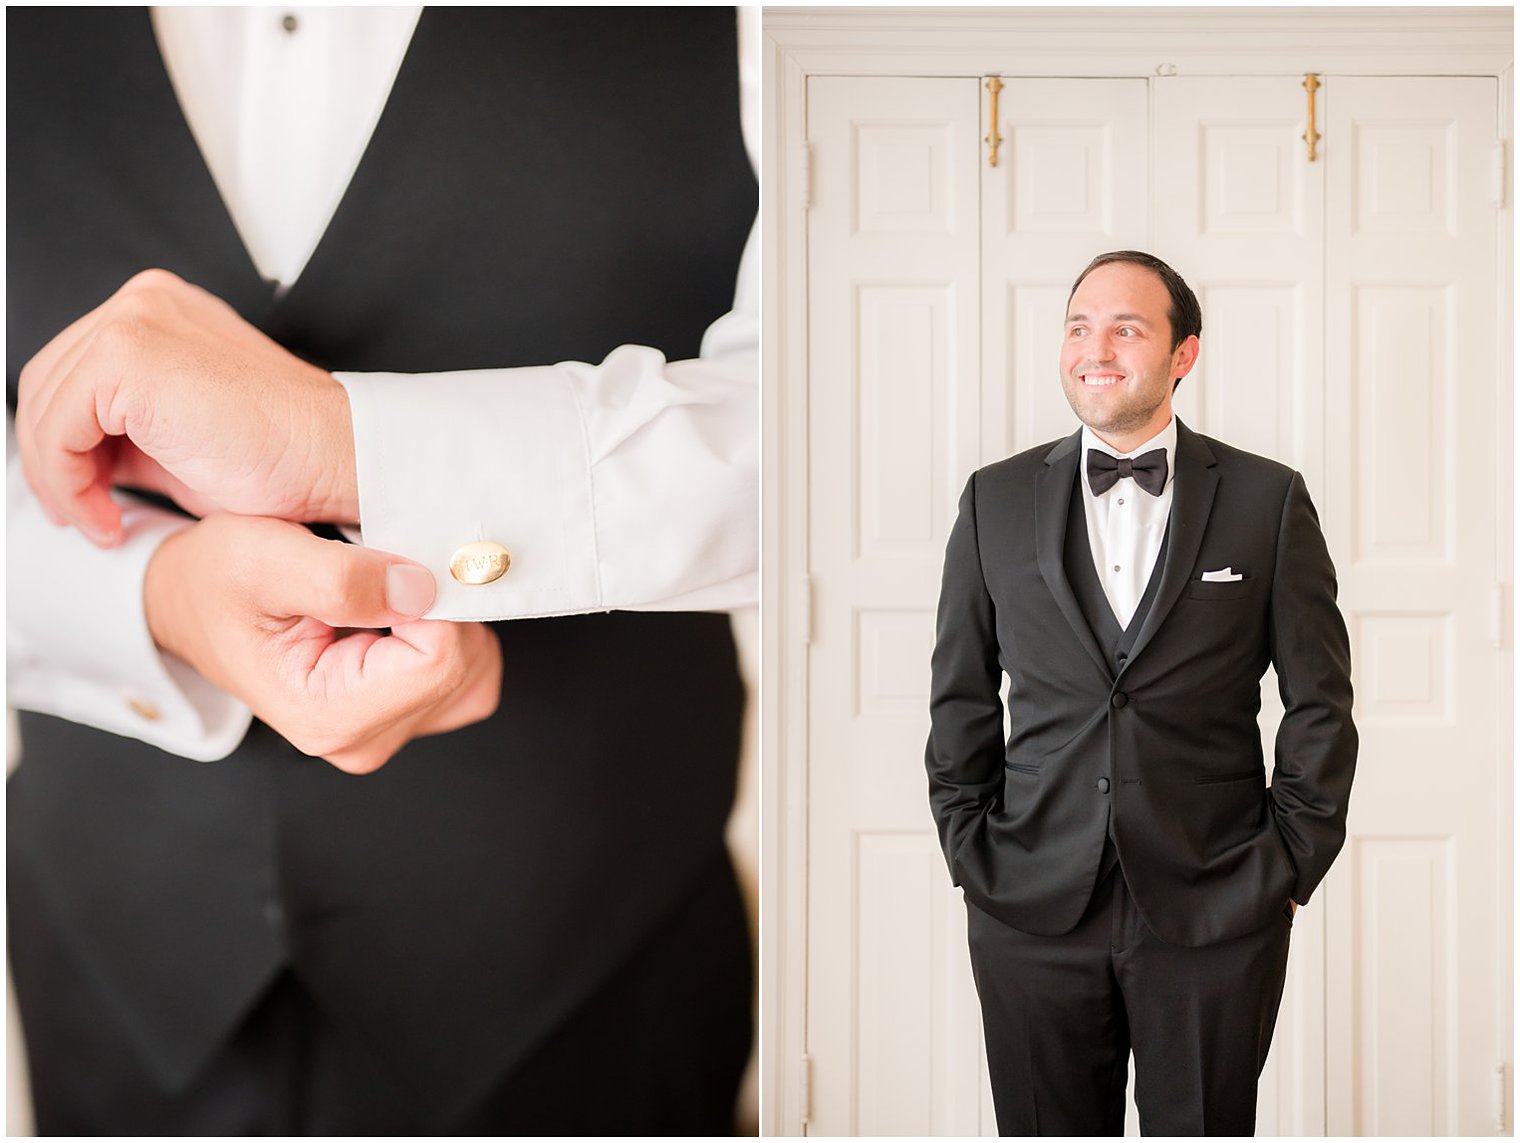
[1223, 575]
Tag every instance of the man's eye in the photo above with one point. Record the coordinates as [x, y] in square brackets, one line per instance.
[1076, 331]
[1128, 331]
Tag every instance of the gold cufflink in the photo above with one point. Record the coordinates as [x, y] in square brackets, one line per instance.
[480, 562]
[143, 709]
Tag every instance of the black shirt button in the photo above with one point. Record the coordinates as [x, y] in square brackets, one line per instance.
[289, 22]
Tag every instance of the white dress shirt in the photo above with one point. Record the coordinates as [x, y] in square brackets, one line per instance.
[1126, 524]
[282, 103]
[631, 483]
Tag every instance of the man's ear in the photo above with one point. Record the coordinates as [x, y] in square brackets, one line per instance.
[1184, 357]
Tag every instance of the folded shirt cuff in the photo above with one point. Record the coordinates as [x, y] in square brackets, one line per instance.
[78, 645]
[632, 484]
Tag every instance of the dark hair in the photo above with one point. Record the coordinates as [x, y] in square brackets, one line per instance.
[1184, 314]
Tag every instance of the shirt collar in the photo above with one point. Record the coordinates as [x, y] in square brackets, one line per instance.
[1165, 439]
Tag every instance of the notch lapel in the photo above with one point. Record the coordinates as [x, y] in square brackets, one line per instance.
[1192, 500]
[1052, 504]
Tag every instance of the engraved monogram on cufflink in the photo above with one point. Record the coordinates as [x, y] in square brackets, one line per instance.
[480, 562]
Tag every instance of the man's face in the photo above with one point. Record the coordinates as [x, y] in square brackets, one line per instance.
[1117, 361]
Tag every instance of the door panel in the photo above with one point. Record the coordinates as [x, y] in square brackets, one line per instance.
[1240, 215]
[892, 362]
[1411, 274]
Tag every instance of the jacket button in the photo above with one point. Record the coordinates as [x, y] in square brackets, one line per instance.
[1102, 785]
[1119, 699]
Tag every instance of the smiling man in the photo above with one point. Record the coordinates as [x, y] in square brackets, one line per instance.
[1130, 878]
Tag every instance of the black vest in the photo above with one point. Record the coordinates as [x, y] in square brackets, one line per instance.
[544, 185]
[1082, 575]
[1116, 641]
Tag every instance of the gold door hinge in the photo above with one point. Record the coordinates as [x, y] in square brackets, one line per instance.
[1501, 1125]
[805, 1090]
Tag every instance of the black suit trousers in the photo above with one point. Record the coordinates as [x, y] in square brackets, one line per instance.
[1062, 1014]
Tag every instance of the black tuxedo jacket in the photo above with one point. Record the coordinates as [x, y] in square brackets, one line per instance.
[1167, 745]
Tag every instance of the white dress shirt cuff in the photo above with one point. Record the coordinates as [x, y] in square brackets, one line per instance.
[79, 647]
[630, 484]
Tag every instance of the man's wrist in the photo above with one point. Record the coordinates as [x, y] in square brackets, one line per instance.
[160, 591]
[335, 482]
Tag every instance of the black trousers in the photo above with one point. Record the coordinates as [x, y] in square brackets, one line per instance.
[1061, 1015]
[660, 1049]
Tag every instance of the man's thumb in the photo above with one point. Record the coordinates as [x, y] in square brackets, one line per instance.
[345, 585]
[409, 589]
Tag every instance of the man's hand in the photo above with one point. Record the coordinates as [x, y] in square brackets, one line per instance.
[255, 606]
[165, 387]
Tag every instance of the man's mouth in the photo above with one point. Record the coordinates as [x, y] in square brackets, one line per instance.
[1100, 380]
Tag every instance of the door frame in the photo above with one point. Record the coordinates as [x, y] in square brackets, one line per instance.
[1097, 42]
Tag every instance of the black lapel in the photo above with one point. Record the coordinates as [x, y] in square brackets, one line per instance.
[1052, 504]
[1192, 499]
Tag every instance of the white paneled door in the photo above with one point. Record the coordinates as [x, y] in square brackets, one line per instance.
[893, 255]
[1349, 330]
[1415, 910]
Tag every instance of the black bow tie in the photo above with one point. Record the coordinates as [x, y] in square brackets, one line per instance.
[1104, 471]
